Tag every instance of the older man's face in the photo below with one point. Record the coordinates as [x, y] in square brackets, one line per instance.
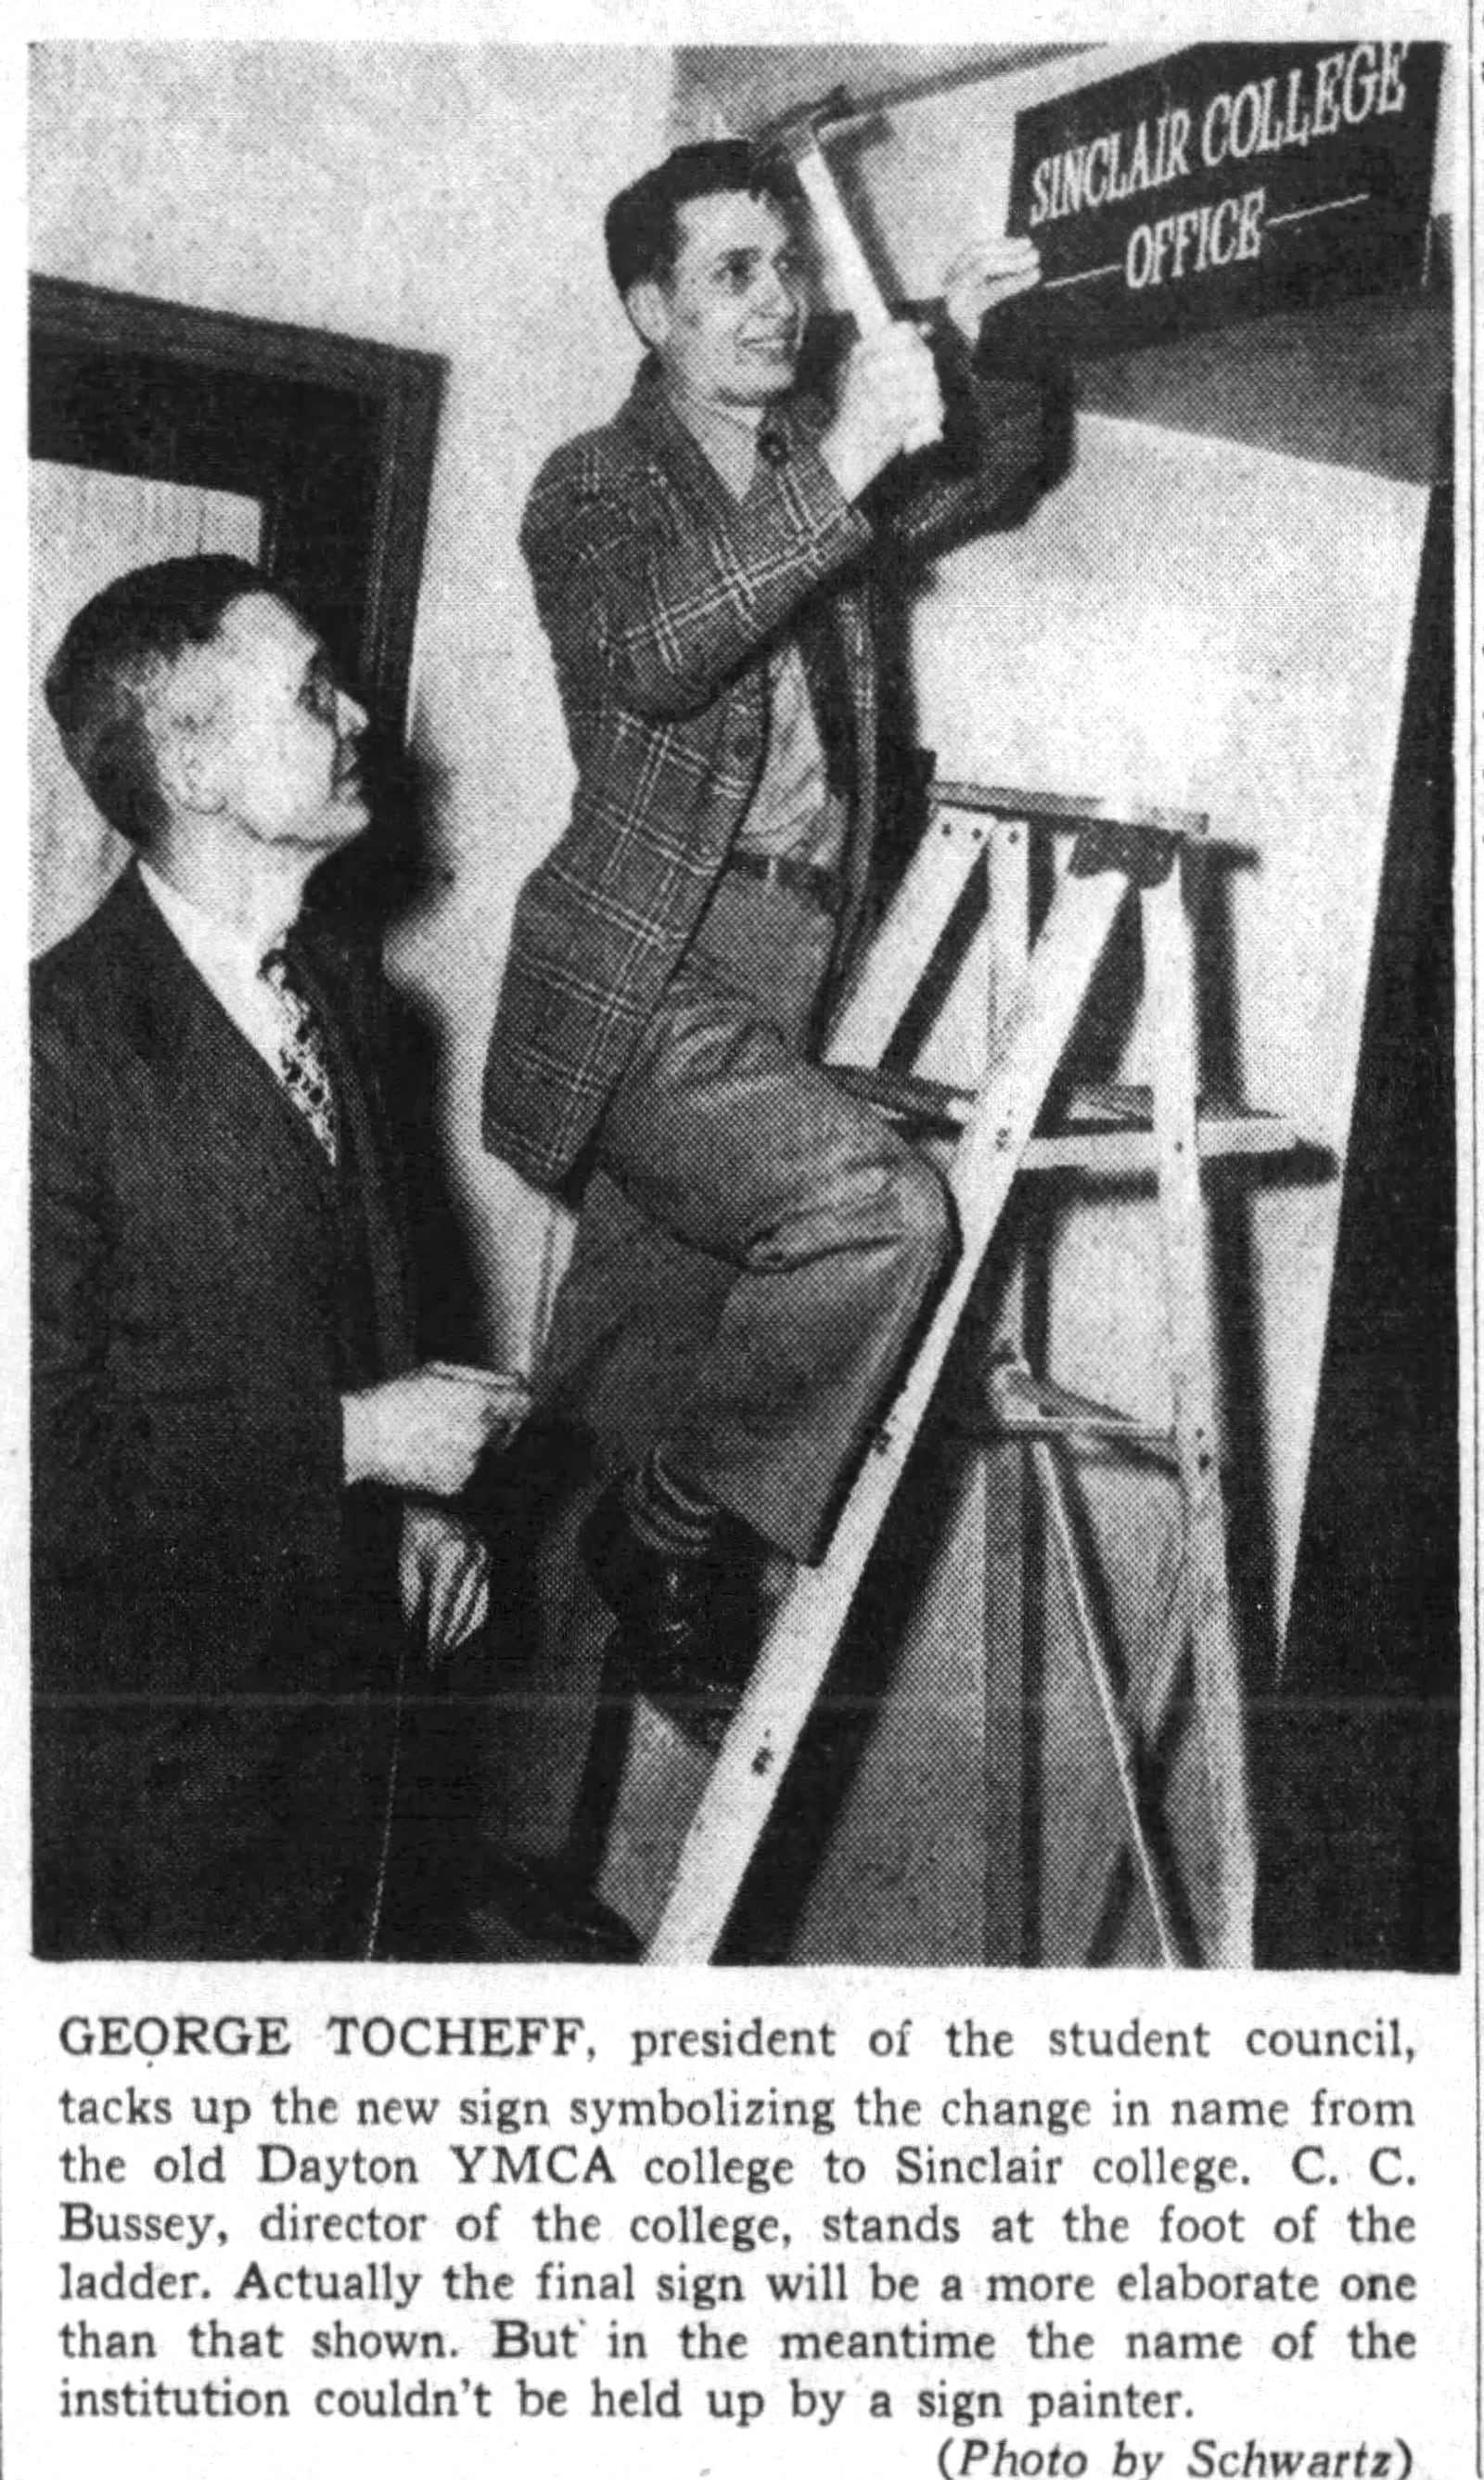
[729, 323]
[280, 739]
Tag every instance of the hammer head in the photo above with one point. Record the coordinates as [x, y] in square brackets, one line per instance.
[796, 132]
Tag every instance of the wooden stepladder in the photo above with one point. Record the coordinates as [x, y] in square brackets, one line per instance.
[1115, 851]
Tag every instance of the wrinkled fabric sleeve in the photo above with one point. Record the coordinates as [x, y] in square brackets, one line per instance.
[1005, 438]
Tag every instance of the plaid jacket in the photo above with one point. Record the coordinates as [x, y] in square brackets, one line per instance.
[660, 597]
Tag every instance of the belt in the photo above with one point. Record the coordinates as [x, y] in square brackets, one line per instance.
[822, 888]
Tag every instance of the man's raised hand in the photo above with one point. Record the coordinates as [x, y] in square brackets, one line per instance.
[986, 273]
[890, 402]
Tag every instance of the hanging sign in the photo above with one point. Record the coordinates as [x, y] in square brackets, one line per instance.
[1226, 181]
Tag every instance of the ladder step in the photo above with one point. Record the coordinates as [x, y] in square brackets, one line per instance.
[1018, 1405]
[919, 1102]
[1225, 1131]
[1105, 1128]
[1061, 810]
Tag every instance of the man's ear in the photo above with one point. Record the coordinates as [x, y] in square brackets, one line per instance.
[649, 310]
[185, 769]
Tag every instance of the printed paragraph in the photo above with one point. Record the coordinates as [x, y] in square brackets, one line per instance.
[1036, 2247]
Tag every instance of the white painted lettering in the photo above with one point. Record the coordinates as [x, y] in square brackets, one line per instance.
[1394, 95]
[1269, 137]
[1360, 79]
[1249, 231]
[1223, 236]
[1187, 224]
[1246, 121]
[1218, 118]
[1326, 95]
[1117, 176]
[1295, 125]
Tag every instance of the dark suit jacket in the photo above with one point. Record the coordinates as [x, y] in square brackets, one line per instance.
[217, 1635]
[661, 597]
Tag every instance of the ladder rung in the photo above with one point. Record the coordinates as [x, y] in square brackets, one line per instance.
[1107, 1128]
[1018, 1405]
[920, 1099]
[1223, 1130]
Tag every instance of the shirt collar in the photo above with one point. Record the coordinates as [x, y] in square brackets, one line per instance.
[729, 443]
[205, 936]
[650, 415]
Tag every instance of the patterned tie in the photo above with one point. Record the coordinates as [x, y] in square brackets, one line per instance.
[303, 1063]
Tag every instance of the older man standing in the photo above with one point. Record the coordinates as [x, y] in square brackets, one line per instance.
[242, 1475]
[755, 1248]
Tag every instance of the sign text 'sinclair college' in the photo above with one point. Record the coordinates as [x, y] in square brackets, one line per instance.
[1225, 181]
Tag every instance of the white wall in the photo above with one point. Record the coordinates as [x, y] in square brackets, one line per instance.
[446, 198]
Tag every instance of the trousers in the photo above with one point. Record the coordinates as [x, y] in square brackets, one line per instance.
[754, 1247]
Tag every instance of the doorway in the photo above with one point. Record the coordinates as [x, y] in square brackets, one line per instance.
[157, 428]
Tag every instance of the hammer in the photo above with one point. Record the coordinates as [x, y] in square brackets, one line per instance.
[795, 137]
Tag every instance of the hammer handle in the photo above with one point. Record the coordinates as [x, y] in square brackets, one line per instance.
[858, 288]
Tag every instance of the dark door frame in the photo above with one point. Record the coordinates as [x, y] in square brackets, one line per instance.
[334, 434]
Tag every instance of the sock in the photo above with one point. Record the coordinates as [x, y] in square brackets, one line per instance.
[668, 1513]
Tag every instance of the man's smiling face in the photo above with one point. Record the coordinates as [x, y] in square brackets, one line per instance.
[727, 324]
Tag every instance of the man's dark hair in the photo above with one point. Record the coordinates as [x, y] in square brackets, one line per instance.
[115, 653]
[642, 226]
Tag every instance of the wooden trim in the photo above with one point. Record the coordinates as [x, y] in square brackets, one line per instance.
[409, 433]
[221, 339]
[402, 389]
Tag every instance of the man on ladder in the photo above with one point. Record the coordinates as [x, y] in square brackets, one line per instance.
[754, 1246]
